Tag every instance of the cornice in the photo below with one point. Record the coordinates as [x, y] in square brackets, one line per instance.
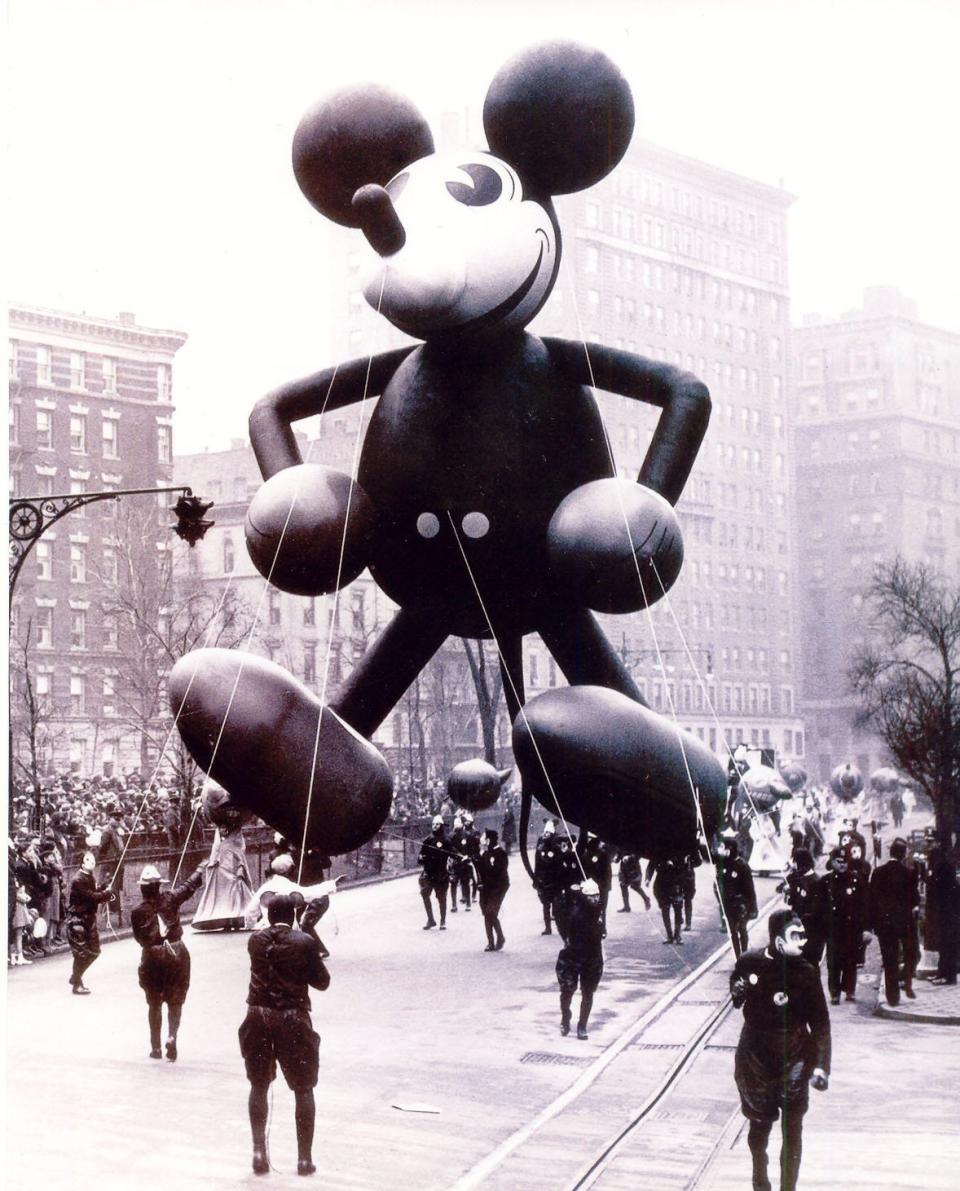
[90, 327]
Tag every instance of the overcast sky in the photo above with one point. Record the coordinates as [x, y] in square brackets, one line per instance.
[149, 149]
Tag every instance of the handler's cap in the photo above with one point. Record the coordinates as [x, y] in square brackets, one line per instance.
[548, 827]
[590, 888]
[151, 876]
[438, 820]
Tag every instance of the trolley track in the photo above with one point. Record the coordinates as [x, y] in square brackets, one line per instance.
[676, 1060]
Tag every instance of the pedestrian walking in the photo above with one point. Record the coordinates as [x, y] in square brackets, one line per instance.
[596, 865]
[848, 895]
[546, 872]
[164, 971]
[493, 881]
[86, 897]
[668, 890]
[435, 851]
[580, 962]
[735, 892]
[805, 894]
[630, 876]
[284, 964]
[784, 1045]
[894, 910]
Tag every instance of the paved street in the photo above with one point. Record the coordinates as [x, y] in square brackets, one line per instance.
[412, 1018]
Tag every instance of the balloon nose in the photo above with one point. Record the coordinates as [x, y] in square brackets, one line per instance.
[378, 219]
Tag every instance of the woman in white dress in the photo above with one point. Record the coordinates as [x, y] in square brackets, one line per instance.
[226, 881]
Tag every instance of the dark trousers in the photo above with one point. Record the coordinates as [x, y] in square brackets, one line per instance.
[891, 942]
[791, 1148]
[441, 893]
[947, 955]
[842, 967]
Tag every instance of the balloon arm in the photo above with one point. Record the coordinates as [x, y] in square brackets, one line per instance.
[526, 801]
[271, 420]
[684, 400]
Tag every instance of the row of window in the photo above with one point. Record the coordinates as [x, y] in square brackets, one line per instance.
[625, 224]
[80, 635]
[630, 183]
[689, 283]
[76, 370]
[104, 572]
[80, 687]
[78, 432]
[855, 359]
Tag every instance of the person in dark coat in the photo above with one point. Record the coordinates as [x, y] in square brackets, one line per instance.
[735, 892]
[596, 865]
[109, 857]
[164, 971]
[546, 872]
[434, 853]
[569, 874]
[493, 881]
[460, 864]
[508, 830]
[580, 961]
[943, 915]
[86, 897]
[784, 1044]
[805, 894]
[284, 964]
[630, 877]
[688, 868]
[894, 909]
[668, 890]
[849, 906]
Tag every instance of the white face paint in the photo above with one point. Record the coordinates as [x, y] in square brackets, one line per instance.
[793, 941]
[476, 252]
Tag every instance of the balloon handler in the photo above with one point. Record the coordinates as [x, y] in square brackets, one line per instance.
[165, 961]
[493, 881]
[581, 958]
[284, 963]
[784, 1045]
[487, 502]
[86, 897]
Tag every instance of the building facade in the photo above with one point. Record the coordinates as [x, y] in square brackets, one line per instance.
[877, 424]
[91, 410]
[677, 260]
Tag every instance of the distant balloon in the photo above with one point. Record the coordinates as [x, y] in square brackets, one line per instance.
[475, 785]
[846, 782]
[885, 780]
[763, 788]
[794, 775]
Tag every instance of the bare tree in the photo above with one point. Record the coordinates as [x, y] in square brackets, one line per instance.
[488, 684]
[35, 720]
[907, 675]
[161, 609]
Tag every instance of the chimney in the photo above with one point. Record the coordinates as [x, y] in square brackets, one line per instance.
[127, 317]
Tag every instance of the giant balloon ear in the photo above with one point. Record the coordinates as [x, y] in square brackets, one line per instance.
[353, 137]
[561, 114]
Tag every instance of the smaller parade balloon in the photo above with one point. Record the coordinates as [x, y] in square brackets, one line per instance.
[884, 781]
[475, 785]
[794, 775]
[846, 782]
[763, 788]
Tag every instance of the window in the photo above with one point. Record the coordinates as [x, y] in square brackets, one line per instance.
[109, 692]
[593, 214]
[111, 633]
[78, 629]
[45, 627]
[43, 366]
[77, 370]
[592, 259]
[164, 444]
[45, 429]
[78, 434]
[44, 553]
[163, 382]
[109, 375]
[310, 613]
[78, 685]
[309, 662]
[109, 564]
[44, 682]
[228, 555]
[534, 670]
[274, 607]
[14, 415]
[78, 563]
[111, 438]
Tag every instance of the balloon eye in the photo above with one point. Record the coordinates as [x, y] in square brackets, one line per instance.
[486, 189]
[397, 185]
